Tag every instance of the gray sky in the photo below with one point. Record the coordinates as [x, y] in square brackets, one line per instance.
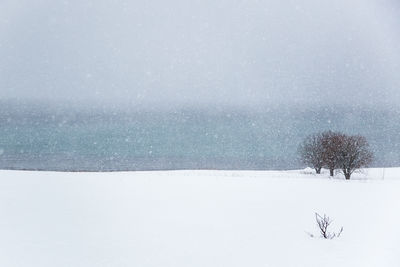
[248, 52]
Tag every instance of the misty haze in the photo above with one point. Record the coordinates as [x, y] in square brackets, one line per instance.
[190, 133]
[193, 84]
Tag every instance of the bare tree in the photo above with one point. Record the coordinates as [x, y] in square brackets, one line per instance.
[354, 153]
[311, 152]
[336, 150]
[331, 146]
[323, 224]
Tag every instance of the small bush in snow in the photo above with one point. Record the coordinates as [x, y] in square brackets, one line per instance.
[323, 223]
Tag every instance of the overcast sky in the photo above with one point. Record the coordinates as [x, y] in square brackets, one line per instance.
[158, 52]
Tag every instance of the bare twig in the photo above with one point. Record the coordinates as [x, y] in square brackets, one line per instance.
[323, 223]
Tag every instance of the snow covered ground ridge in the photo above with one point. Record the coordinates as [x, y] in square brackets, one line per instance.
[198, 218]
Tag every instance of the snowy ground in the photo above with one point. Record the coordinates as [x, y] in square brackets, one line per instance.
[197, 218]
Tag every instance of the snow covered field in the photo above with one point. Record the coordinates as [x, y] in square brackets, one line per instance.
[197, 218]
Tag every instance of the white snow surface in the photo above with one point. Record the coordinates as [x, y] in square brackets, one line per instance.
[198, 218]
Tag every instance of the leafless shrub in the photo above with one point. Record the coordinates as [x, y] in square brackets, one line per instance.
[323, 223]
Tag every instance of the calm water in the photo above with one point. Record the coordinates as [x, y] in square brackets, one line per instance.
[43, 138]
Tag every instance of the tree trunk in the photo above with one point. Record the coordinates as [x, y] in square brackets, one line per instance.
[347, 176]
[331, 172]
[318, 170]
